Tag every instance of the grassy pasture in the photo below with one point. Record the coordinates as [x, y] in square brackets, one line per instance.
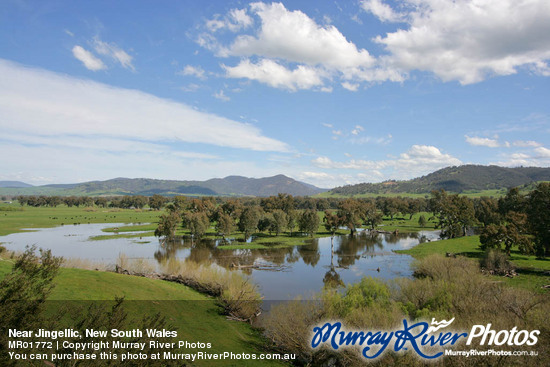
[195, 316]
[533, 271]
[12, 221]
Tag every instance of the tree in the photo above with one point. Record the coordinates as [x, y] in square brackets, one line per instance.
[538, 211]
[291, 216]
[225, 224]
[422, 221]
[23, 293]
[513, 201]
[280, 221]
[248, 221]
[265, 222]
[504, 236]
[350, 212]
[100, 201]
[168, 223]
[370, 215]
[308, 222]
[455, 213]
[197, 223]
[487, 211]
[331, 222]
[156, 202]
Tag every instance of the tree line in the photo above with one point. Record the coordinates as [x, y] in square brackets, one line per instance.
[517, 219]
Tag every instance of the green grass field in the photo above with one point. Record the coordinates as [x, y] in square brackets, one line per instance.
[43, 217]
[531, 269]
[196, 317]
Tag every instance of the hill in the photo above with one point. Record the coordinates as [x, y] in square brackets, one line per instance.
[14, 184]
[228, 186]
[459, 179]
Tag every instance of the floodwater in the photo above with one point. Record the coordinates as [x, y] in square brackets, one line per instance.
[281, 274]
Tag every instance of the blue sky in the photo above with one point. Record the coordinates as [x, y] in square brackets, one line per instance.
[326, 92]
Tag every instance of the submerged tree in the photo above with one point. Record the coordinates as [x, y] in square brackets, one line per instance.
[168, 223]
[350, 212]
[248, 221]
[197, 223]
[225, 224]
[331, 222]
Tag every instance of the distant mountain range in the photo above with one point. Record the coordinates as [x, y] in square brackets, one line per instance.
[454, 179]
[228, 186]
[461, 179]
[14, 184]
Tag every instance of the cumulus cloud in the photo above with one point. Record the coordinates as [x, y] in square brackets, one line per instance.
[195, 71]
[88, 59]
[273, 74]
[465, 41]
[543, 152]
[470, 40]
[418, 160]
[350, 86]
[540, 157]
[234, 21]
[382, 11]
[290, 50]
[484, 142]
[293, 36]
[42, 103]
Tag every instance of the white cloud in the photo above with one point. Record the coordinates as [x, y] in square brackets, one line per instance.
[465, 41]
[115, 52]
[541, 158]
[484, 142]
[221, 96]
[371, 140]
[293, 36]
[88, 59]
[526, 143]
[350, 86]
[418, 160]
[543, 152]
[470, 40]
[271, 73]
[195, 71]
[330, 126]
[357, 130]
[42, 103]
[382, 11]
[234, 21]
[192, 87]
[294, 44]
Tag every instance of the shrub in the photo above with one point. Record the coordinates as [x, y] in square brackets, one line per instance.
[496, 262]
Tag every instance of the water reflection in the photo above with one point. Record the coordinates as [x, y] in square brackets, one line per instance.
[303, 270]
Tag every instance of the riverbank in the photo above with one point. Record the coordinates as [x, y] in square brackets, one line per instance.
[533, 272]
[195, 316]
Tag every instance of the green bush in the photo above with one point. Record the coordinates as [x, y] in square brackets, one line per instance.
[496, 262]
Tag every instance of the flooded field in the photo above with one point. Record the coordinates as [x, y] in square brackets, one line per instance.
[281, 273]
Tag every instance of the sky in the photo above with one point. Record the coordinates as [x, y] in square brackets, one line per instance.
[326, 92]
